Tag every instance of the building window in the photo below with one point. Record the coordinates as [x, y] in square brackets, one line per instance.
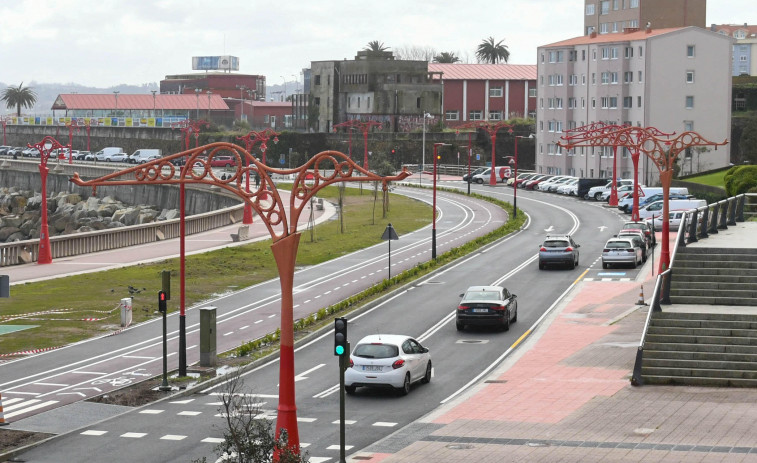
[605, 78]
[573, 55]
[573, 79]
[583, 55]
[613, 102]
[593, 102]
[614, 53]
[634, 4]
[551, 126]
[627, 102]
[541, 103]
[266, 119]
[605, 52]
[593, 78]
[690, 51]
[495, 115]
[583, 102]
[605, 7]
[613, 77]
[571, 103]
[590, 9]
[689, 102]
[689, 77]
[640, 79]
[628, 77]
[688, 126]
[451, 115]
[532, 92]
[317, 79]
[629, 52]
[558, 103]
[476, 115]
[604, 28]
[541, 80]
[605, 102]
[638, 102]
[317, 101]
[495, 92]
[583, 79]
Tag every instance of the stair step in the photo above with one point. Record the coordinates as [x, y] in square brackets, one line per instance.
[708, 251]
[708, 300]
[682, 355]
[730, 293]
[689, 323]
[692, 381]
[713, 257]
[697, 365]
[713, 285]
[702, 278]
[711, 263]
[676, 347]
[717, 316]
[699, 372]
[692, 339]
[721, 271]
[706, 331]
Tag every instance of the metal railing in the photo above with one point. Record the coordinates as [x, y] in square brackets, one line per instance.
[695, 224]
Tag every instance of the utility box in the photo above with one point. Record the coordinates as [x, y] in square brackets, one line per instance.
[208, 337]
[126, 311]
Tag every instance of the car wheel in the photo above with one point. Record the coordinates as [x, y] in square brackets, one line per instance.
[515, 317]
[405, 389]
[350, 389]
[480, 181]
[506, 325]
[427, 377]
[459, 326]
[598, 196]
[541, 266]
[572, 264]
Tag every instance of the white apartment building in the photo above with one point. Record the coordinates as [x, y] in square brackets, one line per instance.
[675, 80]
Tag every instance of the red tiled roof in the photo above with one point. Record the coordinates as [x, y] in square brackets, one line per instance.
[751, 31]
[139, 102]
[459, 71]
[270, 104]
[640, 34]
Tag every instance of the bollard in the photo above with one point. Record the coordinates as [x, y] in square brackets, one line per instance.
[208, 337]
[126, 313]
[2, 415]
[641, 297]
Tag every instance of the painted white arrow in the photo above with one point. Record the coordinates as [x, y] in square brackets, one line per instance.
[602, 228]
[302, 375]
[549, 229]
[86, 388]
[75, 393]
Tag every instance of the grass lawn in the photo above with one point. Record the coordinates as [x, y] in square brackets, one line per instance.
[713, 179]
[96, 295]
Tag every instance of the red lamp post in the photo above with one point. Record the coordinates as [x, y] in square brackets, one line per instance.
[71, 129]
[4, 121]
[280, 221]
[45, 148]
[433, 207]
[365, 127]
[514, 163]
[491, 128]
[87, 126]
[347, 125]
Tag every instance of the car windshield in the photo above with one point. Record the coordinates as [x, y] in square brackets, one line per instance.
[376, 351]
[618, 245]
[556, 244]
[482, 296]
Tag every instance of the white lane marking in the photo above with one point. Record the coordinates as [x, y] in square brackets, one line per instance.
[138, 357]
[229, 333]
[345, 422]
[320, 459]
[327, 392]
[336, 447]
[304, 374]
[261, 396]
[272, 315]
[32, 408]
[151, 411]
[173, 437]
[134, 435]
[13, 407]
[247, 326]
[181, 402]
[188, 413]
[212, 440]
[354, 281]
[307, 301]
[22, 393]
[306, 420]
[10, 401]
[384, 424]
[93, 432]
[90, 372]
[50, 384]
[259, 321]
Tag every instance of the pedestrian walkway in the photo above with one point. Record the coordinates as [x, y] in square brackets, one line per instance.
[565, 395]
[151, 252]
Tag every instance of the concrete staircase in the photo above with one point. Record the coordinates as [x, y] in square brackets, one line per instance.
[701, 349]
[714, 276]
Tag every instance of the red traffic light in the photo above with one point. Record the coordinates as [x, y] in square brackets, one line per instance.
[162, 304]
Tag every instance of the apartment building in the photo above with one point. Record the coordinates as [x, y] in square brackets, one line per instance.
[744, 47]
[613, 16]
[675, 79]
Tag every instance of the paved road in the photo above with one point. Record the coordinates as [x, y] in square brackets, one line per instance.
[425, 310]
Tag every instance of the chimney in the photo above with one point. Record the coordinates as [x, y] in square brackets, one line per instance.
[593, 34]
[649, 27]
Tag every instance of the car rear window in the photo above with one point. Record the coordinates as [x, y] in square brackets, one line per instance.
[481, 296]
[556, 244]
[618, 245]
[376, 351]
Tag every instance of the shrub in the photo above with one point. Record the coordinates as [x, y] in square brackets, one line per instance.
[740, 179]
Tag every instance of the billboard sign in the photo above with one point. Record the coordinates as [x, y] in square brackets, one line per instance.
[215, 63]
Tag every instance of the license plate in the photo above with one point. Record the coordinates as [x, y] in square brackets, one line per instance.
[371, 368]
[481, 310]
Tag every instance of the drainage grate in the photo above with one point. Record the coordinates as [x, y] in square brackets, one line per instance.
[472, 341]
[459, 446]
[496, 381]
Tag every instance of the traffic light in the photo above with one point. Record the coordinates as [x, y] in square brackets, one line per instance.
[162, 298]
[340, 336]
[394, 151]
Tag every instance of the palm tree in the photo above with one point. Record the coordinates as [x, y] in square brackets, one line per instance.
[375, 46]
[492, 53]
[446, 57]
[18, 97]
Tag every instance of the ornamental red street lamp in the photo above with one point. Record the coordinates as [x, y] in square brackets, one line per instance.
[469, 155]
[365, 127]
[281, 222]
[4, 121]
[87, 126]
[71, 128]
[491, 128]
[249, 142]
[433, 207]
[46, 147]
[349, 127]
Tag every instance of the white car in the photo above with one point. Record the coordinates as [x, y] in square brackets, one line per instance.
[389, 361]
[569, 188]
[674, 219]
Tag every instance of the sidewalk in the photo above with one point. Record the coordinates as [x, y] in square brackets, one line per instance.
[565, 396]
[159, 250]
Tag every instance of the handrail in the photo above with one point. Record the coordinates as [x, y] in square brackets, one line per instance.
[636, 379]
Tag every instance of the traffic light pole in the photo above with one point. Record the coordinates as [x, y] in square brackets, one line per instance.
[163, 309]
[344, 363]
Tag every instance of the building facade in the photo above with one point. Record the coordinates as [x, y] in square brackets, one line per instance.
[744, 47]
[674, 79]
[486, 92]
[613, 16]
[374, 86]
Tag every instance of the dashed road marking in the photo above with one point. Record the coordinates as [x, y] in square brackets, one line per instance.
[93, 432]
[134, 435]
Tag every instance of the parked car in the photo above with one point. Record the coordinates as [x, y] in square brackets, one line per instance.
[646, 228]
[487, 306]
[523, 178]
[223, 161]
[30, 153]
[502, 174]
[674, 220]
[568, 188]
[656, 208]
[545, 185]
[4, 150]
[558, 250]
[387, 360]
[143, 155]
[596, 191]
[621, 251]
[81, 155]
[469, 177]
[626, 205]
[532, 183]
[638, 238]
[585, 184]
[621, 191]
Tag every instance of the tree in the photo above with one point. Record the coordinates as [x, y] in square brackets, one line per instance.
[248, 436]
[446, 57]
[492, 53]
[16, 97]
[748, 143]
[414, 53]
[375, 46]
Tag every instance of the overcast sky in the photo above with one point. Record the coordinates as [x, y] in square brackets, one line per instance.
[103, 43]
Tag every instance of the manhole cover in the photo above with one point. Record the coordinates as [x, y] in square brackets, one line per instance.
[472, 341]
[459, 446]
[496, 381]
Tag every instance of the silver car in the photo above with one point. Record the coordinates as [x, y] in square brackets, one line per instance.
[621, 251]
[558, 250]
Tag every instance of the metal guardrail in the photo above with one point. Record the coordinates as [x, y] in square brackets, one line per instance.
[696, 224]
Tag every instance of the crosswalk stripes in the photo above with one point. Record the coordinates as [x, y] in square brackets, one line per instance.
[18, 406]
